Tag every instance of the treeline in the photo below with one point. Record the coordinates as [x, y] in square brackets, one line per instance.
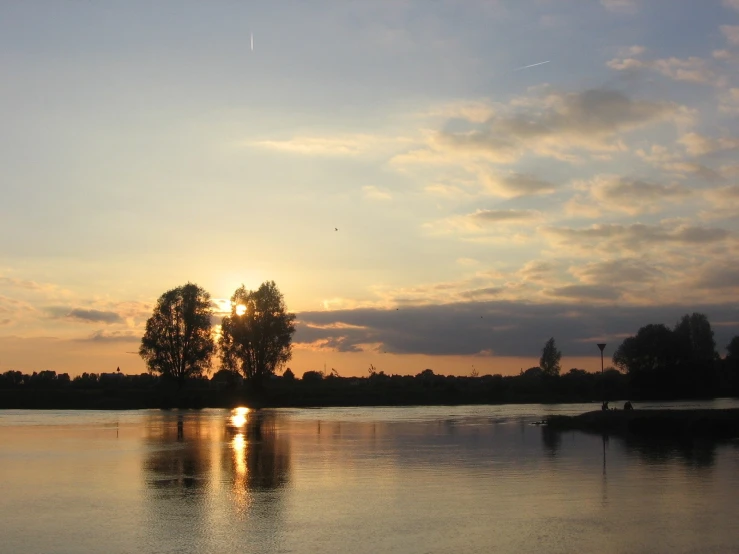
[658, 362]
[679, 362]
[227, 388]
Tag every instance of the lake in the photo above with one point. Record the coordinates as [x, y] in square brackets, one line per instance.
[420, 479]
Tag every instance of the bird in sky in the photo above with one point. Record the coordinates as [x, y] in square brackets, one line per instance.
[336, 228]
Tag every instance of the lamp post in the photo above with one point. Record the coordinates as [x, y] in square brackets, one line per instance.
[602, 346]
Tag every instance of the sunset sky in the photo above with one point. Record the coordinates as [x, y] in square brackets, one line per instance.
[482, 206]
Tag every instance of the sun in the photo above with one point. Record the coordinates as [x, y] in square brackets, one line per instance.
[240, 309]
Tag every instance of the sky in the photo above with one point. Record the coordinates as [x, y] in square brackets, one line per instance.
[421, 197]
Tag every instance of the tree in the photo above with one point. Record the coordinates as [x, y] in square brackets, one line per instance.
[312, 376]
[256, 337]
[653, 348]
[695, 338]
[178, 342]
[550, 357]
[732, 349]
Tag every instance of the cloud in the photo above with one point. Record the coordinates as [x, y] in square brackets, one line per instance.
[343, 145]
[637, 236]
[548, 124]
[585, 292]
[331, 344]
[729, 101]
[633, 51]
[373, 193]
[675, 163]
[690, 70]
[722, 55]
[632, 196]
[517, 184]
[629, 7]
[585, 119]
[19, 283]
[505, 328]
[486, 292]
[112, 336]
[468, 261]
[731, 33]
[719, 276]
[537, 271]
[725, 202]
[446, 190]
[731, 4]
[485, 217]
[93, 316]
[724, 195]
[623, 271]
[484, 222]
[477, 111]
[699, 145]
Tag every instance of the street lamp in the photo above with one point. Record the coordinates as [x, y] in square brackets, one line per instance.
[602, 346]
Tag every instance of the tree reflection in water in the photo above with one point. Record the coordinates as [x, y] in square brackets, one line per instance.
[224, 471]
[193, 450]
[551, 440]
[179, 457]
[694, 452]
[259, 457]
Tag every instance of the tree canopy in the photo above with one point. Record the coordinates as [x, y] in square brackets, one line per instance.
[256, 336]
[695, 338]
[671, 362]
[653, 348]
[178, 342]
[550, 358]
[732, 349]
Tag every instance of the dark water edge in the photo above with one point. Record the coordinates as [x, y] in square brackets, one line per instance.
[311, 397]
[668, 423]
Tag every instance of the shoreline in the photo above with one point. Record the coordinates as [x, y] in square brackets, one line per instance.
[658, 423]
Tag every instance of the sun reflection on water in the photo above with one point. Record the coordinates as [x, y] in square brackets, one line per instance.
[238, 417]
[239, 447]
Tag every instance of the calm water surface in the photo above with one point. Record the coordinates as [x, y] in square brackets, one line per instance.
[436, 479]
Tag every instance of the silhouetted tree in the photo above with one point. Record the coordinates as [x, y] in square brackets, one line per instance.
[288, 375]
[256, 337]
[178, 342]
[652, 349]
[651, 359]
[695, 338]
[309, 376]
[550, 357]
[227, 378]
[732, 349]
[730, 367]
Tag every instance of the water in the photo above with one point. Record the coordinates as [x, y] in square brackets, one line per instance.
[426, 479]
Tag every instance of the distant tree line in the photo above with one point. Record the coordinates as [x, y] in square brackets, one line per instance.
[658, 362]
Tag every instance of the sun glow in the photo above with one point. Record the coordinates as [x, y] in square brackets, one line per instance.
[238, 417]
[240, 309]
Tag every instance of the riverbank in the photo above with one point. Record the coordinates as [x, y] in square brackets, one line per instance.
[294, 395]
[654, 423]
